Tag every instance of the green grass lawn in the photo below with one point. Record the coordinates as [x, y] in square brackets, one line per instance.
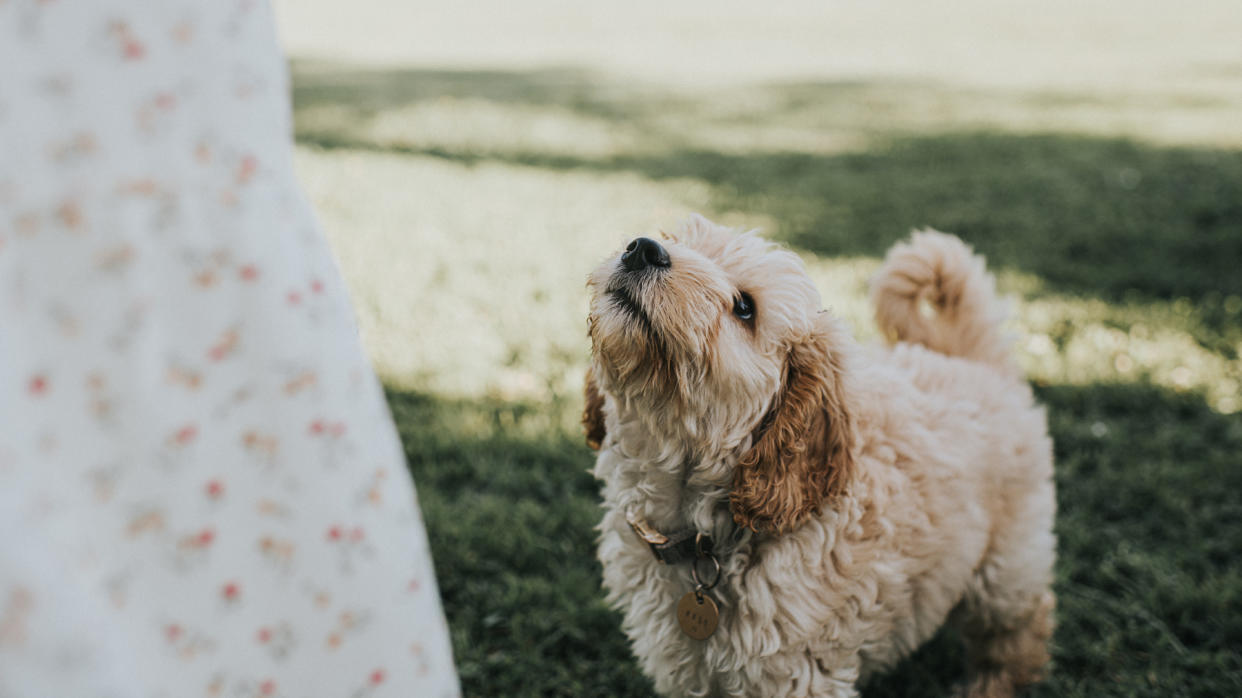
[467, 204]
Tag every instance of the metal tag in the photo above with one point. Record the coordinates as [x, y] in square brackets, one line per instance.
[697, 615]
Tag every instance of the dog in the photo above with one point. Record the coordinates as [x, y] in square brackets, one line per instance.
[788, 512]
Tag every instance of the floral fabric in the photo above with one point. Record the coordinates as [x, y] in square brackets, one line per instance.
[201, 490]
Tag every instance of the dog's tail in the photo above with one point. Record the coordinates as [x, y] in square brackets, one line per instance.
[933, 291]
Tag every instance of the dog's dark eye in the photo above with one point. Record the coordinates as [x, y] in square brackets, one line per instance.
[744, 306]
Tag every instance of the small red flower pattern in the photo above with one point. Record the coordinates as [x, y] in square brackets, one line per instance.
[201, 490]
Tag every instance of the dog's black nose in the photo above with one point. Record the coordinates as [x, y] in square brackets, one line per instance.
[643, 253]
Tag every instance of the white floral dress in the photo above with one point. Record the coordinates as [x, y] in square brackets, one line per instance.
[201, 490]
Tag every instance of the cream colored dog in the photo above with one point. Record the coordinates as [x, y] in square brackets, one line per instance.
[814, 509]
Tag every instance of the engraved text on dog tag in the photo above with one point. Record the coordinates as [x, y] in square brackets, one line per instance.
[697, 614]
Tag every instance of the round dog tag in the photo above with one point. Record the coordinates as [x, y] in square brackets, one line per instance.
[697, 615]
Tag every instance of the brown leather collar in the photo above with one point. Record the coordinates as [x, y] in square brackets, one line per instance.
[684, 545]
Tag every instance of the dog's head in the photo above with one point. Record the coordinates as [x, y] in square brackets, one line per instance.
[720, 338]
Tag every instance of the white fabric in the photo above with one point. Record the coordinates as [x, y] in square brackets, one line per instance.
[201, 490]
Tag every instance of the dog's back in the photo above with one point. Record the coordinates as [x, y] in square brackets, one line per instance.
[933, 293]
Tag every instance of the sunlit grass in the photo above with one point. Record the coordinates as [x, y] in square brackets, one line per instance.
[470, 281]
[475, 285]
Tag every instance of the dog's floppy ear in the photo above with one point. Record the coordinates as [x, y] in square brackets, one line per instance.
[802, 453]
[593, 412]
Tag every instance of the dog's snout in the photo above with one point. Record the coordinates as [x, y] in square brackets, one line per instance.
[643, 253]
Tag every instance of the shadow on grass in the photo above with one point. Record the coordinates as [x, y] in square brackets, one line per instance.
[369, 91]
[1149, 576]
[510, 509]
[1110, 218]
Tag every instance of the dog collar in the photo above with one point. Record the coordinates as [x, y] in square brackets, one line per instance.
[685, 545]
[697, 613]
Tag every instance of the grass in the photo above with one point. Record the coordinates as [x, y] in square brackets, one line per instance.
[467, 199]
[1149, 580]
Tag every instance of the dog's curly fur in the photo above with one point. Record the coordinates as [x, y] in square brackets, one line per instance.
[859, 498]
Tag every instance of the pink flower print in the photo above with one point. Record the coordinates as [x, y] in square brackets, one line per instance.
[373, 681]
[231, 592]
[70, 215]
[214, 489]
[331, 435]
[354, 535]
[184, 377]
[37, 386]
[264, 446]
[316, 286]
[205, 278]
[246, 169]
[414, 586]
[277, 551]
[226, 345]
[184, 436]
[197, 541]
[145, 187]
[151, 111]
[322, 599]
[348, 623]
[270, 507]
[267, 688]
[183, 33]
[278, 640]
[299, 382]
[372, 492]
[192, 548]
[202, 153]
[185, 642]
[114, 259]
[131, 48]
[293, 298]
[149, 520]
[351, 543]
[248, 272]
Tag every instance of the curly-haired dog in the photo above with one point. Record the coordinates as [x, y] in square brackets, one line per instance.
[815, 510]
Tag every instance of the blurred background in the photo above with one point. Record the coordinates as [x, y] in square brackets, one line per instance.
[472, 161]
